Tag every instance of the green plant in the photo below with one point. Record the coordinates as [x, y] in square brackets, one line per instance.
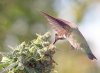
[33, 57]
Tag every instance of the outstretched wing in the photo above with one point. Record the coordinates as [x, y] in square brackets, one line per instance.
[57, 24]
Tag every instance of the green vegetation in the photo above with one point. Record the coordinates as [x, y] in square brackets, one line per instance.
[33, 57]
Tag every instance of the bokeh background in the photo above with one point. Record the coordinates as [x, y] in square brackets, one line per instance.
[20, 20]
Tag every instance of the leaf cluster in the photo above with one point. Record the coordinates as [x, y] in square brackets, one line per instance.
[33, 57]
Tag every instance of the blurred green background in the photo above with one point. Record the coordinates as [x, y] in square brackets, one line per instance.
[20, 20]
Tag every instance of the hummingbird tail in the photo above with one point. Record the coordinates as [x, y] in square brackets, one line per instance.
[91, 56]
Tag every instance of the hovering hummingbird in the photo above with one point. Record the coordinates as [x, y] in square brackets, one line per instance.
[68, 30]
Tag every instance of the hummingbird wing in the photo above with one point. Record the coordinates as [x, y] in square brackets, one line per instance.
[57, 24]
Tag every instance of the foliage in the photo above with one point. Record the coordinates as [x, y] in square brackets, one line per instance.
[33, 57]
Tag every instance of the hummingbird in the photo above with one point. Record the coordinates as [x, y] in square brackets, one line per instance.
[69, 31]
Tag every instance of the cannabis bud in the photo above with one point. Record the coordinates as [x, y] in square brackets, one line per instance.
[33, 57]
